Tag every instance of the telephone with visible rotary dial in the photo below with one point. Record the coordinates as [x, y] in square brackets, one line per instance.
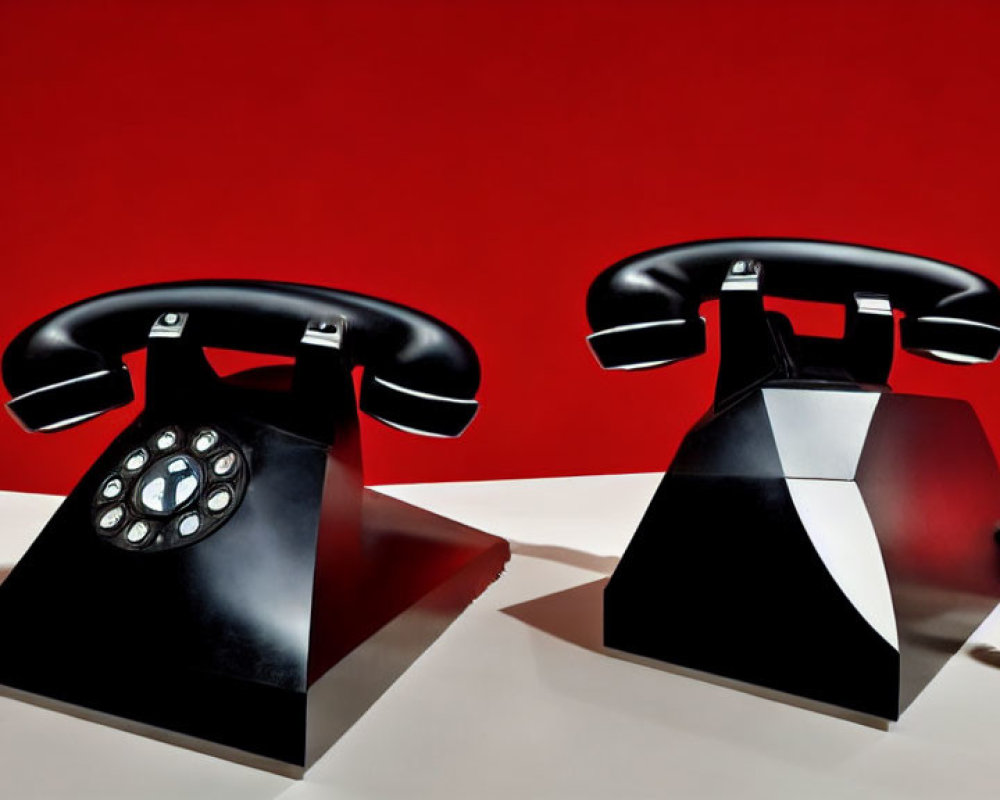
[221, 561]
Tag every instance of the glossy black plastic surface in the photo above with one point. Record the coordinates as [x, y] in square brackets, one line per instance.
[247, 634]
[815, 534]
[419, 372]
[645, 308]
[723, 575]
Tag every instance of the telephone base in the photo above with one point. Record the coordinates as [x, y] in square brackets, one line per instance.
[829, 542]
[427, 570]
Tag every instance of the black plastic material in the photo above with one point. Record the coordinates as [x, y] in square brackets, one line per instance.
[727, 572]
[671, 283]
[648, 345]
[722, 577]
[68, 365]
[247, 637]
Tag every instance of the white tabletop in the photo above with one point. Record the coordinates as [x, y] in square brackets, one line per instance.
[516, 698]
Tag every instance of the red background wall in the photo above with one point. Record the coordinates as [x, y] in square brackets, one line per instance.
[483, 161]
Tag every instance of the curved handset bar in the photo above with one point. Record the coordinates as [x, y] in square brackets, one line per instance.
[644, 309]
[419, 374]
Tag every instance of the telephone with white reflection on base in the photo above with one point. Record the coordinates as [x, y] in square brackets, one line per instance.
[816, 533]
[219, 577]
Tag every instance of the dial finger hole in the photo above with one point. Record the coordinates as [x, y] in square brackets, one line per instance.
[189, 525]
[219, 500]
[112, 488]
[136, 459]
[137, 531]
[205, 441]
[166, 439]
[111, 518]
[224, 464]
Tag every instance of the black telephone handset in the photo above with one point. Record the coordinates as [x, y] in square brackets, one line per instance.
[810, 498]
[220, 561]
[644, 309]
[420, 375]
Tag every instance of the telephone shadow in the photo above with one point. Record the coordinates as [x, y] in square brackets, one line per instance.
[576, 616]
[566, 555]
[986, 654]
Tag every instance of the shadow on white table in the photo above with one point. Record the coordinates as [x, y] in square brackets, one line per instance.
[519, 699]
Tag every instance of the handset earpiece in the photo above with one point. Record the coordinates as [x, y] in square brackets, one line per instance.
[643, 345]
[413, 410]
[643, 318]
[68, 402]
[954, 339]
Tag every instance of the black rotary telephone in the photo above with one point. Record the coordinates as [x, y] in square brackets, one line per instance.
[812, 517]
[217, 569]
